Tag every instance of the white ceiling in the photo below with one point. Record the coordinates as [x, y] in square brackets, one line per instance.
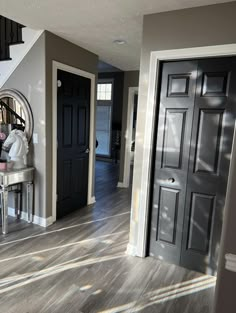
[94, 24]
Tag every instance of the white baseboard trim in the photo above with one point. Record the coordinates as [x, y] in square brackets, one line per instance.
[122, 185]
[91, 200]
[44, 222]
[131, 250]
[230, 264]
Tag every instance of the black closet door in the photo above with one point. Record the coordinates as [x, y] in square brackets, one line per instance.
[211, 143]
[73, 142]
[195, 128]
[172, 156]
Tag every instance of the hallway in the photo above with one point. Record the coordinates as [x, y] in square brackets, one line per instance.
[79, 265]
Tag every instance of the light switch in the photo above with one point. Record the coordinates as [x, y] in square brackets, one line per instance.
[35, 138]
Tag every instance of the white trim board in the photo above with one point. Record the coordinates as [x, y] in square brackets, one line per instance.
[121, 185]
[44, 222]
[131, 250]
[60, 66]
[230, 263]
[155, 58]
[128, 138]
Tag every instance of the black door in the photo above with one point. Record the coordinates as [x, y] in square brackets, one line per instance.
[172, 156]
[194, 140]
[73, 142]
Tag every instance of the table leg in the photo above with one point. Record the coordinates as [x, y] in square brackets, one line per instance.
[4, 200]
[29, 201]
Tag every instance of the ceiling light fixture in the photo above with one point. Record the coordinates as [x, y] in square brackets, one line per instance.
[120, 41]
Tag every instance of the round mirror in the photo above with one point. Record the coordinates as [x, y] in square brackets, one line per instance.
[15, 113]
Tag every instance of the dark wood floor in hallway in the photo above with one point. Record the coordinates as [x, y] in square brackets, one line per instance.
[79, 265]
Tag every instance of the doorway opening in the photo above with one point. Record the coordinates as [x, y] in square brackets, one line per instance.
[194, 135]
[107, 167]
[110, 88]
[104, 118]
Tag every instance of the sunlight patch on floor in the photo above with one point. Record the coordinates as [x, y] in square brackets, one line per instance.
[63, 229]
[60, 247]
[35, 276]
[165, 294]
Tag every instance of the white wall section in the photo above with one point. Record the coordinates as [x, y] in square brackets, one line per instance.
[17, 53]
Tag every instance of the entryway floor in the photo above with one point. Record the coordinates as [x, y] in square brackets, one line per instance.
[79, 264]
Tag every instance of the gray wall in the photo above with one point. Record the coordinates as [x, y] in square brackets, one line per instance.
[33, 77]
[131, 79]
[203, 26]
[63, 51]
[29, 78]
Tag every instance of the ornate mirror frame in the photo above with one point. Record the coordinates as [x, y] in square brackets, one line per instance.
[20, 98]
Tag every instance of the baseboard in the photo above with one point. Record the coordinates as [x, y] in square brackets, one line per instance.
[122, 185]
[230, 264]
[131, 250]
[44, 222]
[91, 200]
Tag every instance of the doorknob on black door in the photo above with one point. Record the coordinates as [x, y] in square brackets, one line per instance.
[171, 180]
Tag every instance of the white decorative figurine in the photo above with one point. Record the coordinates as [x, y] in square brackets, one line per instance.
[19, 148]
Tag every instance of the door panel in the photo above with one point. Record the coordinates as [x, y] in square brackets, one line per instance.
[67, 179]
[200, 222]
[67, 125]
[174, 135]
[172, 155]
[168, 212]
[208, 135]
[211, 143]
[81, 126]
[215, 84]
[73, 141]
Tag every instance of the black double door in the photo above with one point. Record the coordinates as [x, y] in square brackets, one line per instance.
[73, 104]
[193, 147]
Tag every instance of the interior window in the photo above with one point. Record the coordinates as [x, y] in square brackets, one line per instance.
[104, 91]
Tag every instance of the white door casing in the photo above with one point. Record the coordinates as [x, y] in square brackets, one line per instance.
[128, 138]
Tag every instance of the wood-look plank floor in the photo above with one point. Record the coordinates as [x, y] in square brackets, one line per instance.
[79, 265]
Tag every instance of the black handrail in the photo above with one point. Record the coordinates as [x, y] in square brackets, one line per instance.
[3, 104]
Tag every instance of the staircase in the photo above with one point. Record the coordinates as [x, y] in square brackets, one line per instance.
[10, 34]
[15, 42]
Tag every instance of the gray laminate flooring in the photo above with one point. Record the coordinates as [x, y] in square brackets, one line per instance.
[79, 264]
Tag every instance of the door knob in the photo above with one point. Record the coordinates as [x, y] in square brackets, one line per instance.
[87, 151]
[171, 180]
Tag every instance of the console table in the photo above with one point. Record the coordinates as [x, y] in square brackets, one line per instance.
[13, 177]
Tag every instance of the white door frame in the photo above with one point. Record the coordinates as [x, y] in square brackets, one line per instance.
[155, 59]
[60, 66]
[128, 138]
